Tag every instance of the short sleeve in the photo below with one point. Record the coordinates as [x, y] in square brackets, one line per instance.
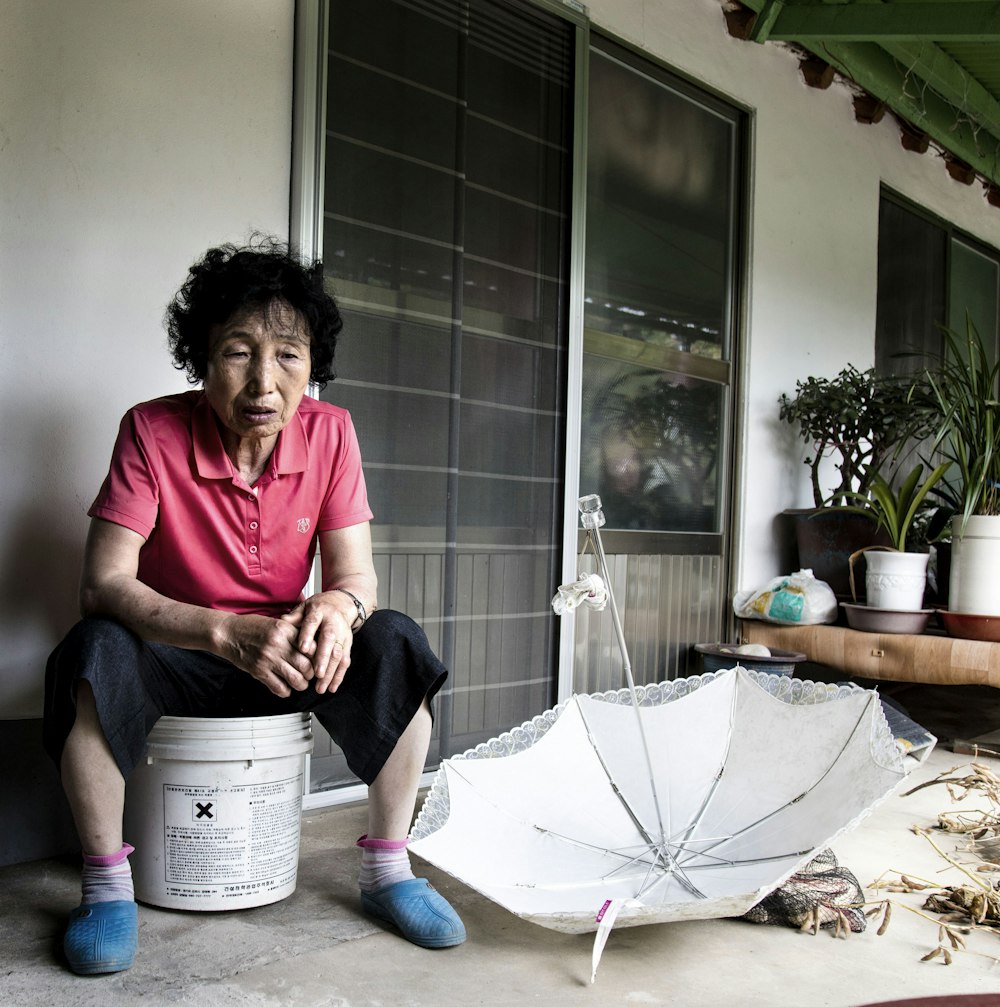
[346, 502]
[130, 494]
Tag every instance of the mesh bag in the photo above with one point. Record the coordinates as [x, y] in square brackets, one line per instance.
[821, 885]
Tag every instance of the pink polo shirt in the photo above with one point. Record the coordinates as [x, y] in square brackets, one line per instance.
[211, 539]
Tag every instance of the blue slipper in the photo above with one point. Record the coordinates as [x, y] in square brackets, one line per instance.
[421, 915]
[102, 937]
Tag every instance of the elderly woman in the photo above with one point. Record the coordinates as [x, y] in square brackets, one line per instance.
[201, 539]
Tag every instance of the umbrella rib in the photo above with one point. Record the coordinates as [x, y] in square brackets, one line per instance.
[673, 871]
[716, 860]
[629, 858]
[812, 786]
[611, 782]
[696, 820]
[661, 847]
[650, 846]
[686, 883]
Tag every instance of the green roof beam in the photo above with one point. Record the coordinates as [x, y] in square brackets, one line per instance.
[915, 78]
[949, 80]
[877, 72]
[764, 21]
[902, 21]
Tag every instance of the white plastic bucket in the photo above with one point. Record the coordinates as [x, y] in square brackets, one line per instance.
[214, 811]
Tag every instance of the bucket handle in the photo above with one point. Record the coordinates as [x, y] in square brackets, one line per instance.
[855, 555]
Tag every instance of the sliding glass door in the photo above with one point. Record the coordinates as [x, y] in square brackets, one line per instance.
[446, 220]
[664, 200]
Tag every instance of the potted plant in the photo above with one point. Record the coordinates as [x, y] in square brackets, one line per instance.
[963, 389]
[895, 578]
[855, 424]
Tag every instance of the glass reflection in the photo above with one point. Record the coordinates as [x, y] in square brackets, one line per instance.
[651, 447]
[659, 212]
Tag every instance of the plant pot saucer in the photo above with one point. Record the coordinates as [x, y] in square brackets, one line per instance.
[968, 626]
[887, 620]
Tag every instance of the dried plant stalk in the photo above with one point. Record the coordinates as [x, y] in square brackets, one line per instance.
[975, 904]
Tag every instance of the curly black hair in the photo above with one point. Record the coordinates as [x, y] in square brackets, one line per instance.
[260, 275]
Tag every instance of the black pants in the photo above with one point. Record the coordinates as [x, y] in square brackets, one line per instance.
[134, 683]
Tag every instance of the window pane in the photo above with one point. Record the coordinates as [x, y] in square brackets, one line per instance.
[659, 213]
[650, 446]
[928, 277]
[418, 45]
[660, 234]
[378, 188]
[975, 291]
[664, 194]
[912, 253]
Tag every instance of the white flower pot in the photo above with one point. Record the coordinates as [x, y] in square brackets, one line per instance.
[974, 587]
[896, 580]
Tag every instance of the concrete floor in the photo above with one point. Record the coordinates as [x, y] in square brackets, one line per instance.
[315, 949]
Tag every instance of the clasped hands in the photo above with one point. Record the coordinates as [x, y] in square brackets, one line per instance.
[311, 643]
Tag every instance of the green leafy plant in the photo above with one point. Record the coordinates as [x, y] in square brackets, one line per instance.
[858, 419]
[963, 390]
[896, 510]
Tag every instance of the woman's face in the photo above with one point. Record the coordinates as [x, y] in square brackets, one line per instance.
[258, 370]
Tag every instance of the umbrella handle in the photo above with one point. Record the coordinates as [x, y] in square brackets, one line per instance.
[592, 518]
[605, 920]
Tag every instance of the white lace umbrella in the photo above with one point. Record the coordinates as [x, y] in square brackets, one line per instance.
[690, 799]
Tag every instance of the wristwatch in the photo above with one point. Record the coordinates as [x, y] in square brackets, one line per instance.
[362, 616]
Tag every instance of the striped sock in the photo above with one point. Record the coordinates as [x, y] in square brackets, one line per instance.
[108, 878]
[383, 862]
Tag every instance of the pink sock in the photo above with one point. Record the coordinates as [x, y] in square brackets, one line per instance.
[383, 862]
[107, 878]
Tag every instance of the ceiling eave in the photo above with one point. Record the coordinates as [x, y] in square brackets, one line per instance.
[894, 52]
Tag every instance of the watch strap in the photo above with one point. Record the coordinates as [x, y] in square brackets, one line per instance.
[362, 614]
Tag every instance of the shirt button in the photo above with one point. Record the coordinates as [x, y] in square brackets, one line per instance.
[251, 497]
[253, 524]
[253, 548]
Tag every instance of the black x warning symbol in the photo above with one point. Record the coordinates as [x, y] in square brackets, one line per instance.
[204, 812]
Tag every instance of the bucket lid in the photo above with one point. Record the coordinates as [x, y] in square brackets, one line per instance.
[226, 739]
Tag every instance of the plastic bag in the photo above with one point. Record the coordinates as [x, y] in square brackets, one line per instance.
[799, 599]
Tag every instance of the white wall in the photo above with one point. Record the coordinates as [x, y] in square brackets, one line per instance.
[814, 233]
[134, 134]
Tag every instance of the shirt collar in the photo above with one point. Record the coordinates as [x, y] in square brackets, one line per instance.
[291, 453]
